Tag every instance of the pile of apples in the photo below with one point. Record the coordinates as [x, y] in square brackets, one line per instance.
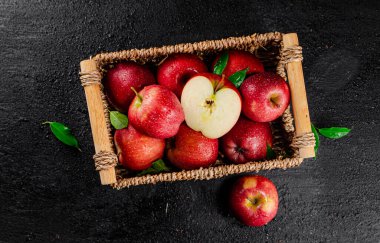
[186, 113]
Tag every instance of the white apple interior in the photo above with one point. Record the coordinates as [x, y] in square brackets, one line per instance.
[213, 114]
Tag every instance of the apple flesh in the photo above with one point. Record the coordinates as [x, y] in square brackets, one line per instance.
[265, 96]
[156, 111]
[239, 60]
[121, 78]
[254, 200]
[247, 141]
[191, 150]
[211, 103]
[137, 151]
[177, 69]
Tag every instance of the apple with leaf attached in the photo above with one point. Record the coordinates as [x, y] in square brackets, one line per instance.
[211, 102]
[236, 61]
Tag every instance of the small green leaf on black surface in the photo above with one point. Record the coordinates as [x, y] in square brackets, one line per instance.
[314, 130]
[63, 134]
[221, 64]
[118, 120]
[270, 153]
[238, 77]
[334, 132]
[157, 167]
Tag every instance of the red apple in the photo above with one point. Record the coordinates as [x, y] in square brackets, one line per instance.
[121, 78]
[247, 141]
[265, 96]
[239, 60]
[177, 69]
[137, 151]
[191, 150]
[254, 200]
[156, 111]
[211, 103]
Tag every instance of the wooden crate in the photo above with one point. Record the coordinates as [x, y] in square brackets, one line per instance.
[280, 52]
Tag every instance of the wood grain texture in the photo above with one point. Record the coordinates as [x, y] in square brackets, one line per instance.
[98, 121]
[51, 193]
[300, 107]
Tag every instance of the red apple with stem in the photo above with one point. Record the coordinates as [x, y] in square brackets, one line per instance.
[239, 60]
[265, 96]
[191, 150]
[120, 79]
[156, 111]
[137, 151]
[247, 141]
[211, 104]
[254, 200]
[177, 69]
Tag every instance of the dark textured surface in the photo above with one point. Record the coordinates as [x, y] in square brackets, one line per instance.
[49, 192]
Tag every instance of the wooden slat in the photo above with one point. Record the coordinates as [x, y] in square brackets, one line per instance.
[298, 94]
[98, 121]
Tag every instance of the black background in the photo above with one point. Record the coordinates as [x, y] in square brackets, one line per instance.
[49, 192]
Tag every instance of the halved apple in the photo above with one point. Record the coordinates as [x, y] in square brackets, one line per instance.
[211, 104]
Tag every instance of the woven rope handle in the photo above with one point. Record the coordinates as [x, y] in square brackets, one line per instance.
[90, 78]
[300, 108]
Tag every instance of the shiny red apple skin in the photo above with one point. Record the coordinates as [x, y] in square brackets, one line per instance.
[247, 141]
[137, 151]
[121, 78]
[177, 69]
[160, 113]
[254, 200]
[239, 60]
[265, 97]
[191, 150]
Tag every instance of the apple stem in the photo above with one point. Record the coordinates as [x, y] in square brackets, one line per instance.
[139, 97]
[220, 84]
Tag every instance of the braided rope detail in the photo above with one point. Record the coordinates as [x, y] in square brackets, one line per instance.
[156, 54]
[305, 140]
[105, 160]
[90, 78]
[292, 54]
[208, 173]
[287, 120]
[288, 55]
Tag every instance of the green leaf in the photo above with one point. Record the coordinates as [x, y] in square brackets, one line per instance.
[314, 130]
[157, 167]
[238, 77]
[270, 153]
[63, 134]
[149, 171]
[221, 64]
[118, 120]
[334, 132]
